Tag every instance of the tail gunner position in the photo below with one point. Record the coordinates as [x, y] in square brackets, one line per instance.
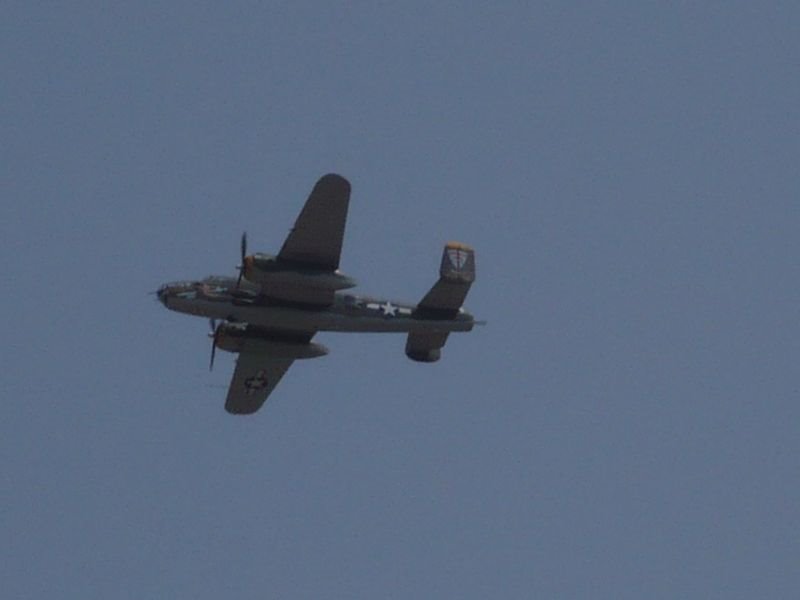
[272, 310]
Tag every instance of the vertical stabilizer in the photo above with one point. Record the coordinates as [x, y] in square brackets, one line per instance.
[456, 274]
[443, 301]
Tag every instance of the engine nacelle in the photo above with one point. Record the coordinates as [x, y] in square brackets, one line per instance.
[233, 337]
[265, 269]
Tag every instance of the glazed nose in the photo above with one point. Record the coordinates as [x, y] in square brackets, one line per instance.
[162, 294]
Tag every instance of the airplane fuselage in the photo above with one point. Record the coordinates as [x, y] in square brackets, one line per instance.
[218, 298]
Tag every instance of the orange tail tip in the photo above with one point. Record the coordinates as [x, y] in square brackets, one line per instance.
[459, 246]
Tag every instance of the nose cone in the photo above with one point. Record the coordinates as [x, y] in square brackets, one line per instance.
[162, 293]
[171, 293]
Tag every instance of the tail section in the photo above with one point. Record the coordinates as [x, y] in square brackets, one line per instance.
[443, 301]
[456, 274]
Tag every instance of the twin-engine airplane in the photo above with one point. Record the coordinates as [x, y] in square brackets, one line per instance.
[277, 303]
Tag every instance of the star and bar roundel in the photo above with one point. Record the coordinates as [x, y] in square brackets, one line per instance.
[256, 382]
[388, 309]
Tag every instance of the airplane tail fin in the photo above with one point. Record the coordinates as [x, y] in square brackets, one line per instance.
[456, 274]
[458, 262]
[443, 301]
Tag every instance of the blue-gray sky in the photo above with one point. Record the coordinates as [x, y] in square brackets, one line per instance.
[625, 427]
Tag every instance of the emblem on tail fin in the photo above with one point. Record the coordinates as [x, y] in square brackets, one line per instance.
[458, 257]
[458, 263]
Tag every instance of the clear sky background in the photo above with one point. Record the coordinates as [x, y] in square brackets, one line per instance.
[625, 427]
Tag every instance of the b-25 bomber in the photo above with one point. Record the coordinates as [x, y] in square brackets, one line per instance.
[272, 310]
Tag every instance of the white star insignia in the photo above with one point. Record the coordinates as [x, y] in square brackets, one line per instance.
[255, 383]
[389, 309]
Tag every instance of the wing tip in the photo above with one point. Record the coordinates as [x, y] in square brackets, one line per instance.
[335, 180]
[240, 410]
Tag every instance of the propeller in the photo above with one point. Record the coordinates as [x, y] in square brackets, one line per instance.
[243, 249]
[214, 335]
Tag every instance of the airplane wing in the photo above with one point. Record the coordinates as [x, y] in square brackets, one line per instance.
[316, 239]
[256, 375]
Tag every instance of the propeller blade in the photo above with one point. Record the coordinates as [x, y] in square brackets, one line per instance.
[243, 249]
[214, 336]
[213, 352]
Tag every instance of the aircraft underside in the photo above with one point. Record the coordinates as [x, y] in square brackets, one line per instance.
[270, 313]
